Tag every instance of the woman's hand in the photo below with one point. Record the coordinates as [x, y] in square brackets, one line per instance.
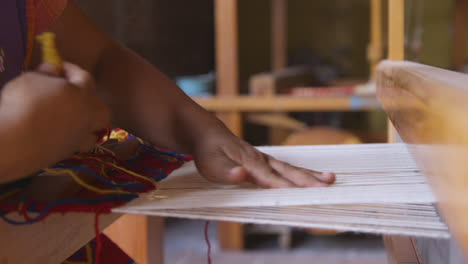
[63, 111]
[48, 118]
[227, 159]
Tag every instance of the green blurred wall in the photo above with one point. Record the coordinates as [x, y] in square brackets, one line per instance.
[338, 30]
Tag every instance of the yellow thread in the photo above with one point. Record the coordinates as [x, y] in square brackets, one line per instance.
[155, 196]
[120, 135]
[89, 257]
[101, 150]
[104, 150]
[5, 195]
[50, 54]
[127, 171]
[89, 254]
[82, 183]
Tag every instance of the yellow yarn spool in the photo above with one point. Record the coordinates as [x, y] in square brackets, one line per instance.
[50, 53]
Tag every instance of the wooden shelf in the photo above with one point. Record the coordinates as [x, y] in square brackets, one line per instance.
[285, 103]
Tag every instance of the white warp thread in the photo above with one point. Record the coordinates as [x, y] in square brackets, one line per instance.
[392, 219]
[383, 178]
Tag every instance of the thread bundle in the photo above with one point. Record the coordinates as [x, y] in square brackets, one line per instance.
[50, 53]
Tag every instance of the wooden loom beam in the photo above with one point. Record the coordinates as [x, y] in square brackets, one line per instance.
[277, 81]
[285, 103]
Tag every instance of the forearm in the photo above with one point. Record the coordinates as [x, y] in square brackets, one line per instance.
[150, 105]
[142, 99]
[22, 154]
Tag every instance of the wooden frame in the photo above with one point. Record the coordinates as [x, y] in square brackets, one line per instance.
[227, 68]
[286, 103]
[57, 230]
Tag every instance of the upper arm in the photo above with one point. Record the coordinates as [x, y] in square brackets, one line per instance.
[79, 40]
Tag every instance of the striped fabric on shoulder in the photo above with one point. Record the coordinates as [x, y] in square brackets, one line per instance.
[48, 11]
[40, 14]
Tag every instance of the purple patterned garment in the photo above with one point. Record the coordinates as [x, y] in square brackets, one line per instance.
[12, 39]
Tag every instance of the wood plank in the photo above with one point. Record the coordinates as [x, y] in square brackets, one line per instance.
[400, 250]
[279, 34]
[227, 71]
[232, 236]
[428, 106]
[279, 120]
[51, 241]
[284, 103]
[141, 237]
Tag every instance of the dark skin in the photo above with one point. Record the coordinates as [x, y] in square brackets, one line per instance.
[134, 95]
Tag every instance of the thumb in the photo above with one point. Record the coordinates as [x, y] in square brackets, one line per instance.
[77, 76]
[221, 168]
[48, 69]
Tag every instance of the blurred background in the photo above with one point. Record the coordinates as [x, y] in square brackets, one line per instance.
[242, 59]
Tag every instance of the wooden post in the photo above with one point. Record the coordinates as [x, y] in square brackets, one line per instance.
[141, 237]
[227, 71]
[459, 34]
[227, 58]
[396, 30]
[279, 53]
[279, 34]
[375, 47]
[396, 43]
